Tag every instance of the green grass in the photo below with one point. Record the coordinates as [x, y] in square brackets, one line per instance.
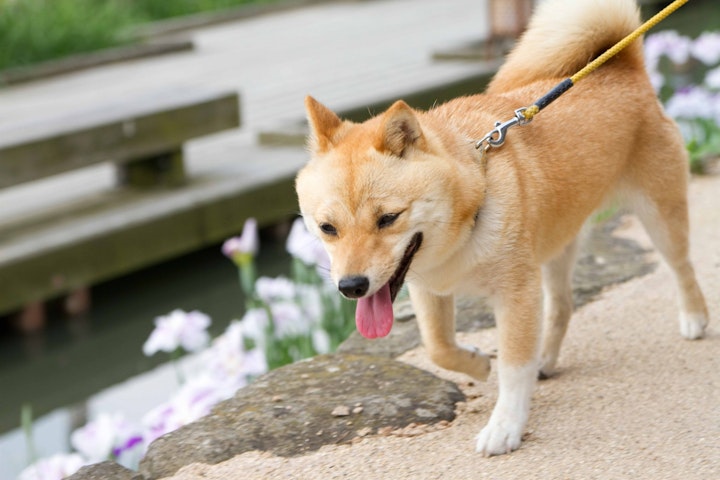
[33, 31]
[160, 9]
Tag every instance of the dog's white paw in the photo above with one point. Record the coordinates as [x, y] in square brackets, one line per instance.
[500, 436]
[692, 325]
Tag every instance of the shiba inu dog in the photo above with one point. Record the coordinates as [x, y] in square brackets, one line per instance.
[406, 196]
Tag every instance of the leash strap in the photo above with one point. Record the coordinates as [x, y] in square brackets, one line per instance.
[496, 137]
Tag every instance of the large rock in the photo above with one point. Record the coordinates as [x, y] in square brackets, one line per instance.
[105, 471]
[298, 408]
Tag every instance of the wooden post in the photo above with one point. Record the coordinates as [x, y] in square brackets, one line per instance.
[32, 318]
[508, 19]
[166, 170]
[78, 302]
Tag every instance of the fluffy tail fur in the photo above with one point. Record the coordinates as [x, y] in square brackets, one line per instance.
[563, 36]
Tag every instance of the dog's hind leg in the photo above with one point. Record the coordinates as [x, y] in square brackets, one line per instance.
[665, 220]
[436, 320]
[659, 198]
[557, 305]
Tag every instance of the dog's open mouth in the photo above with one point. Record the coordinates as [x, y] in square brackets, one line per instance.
[374, 314]
[396, 281]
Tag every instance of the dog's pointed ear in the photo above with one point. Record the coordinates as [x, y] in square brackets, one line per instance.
[400, 130]
[323, 124]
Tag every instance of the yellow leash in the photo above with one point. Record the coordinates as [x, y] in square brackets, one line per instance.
[523, 116]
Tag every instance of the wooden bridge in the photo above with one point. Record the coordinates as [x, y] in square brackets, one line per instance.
[98, 202]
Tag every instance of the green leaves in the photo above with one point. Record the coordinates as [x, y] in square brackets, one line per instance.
[704, 147]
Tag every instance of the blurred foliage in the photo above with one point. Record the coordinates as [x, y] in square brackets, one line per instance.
[33, 31]
[159, 9]
[692, 19]
[703, 152]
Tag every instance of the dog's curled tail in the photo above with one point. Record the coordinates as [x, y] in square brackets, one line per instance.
[563, 36]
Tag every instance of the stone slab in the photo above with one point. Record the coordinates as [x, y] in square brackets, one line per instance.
[329, 399]
[105, 471]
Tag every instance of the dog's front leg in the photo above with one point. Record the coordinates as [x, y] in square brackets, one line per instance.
[436, 320]
[517, 314]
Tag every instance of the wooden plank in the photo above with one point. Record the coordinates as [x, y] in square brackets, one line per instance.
[128, 229]
[295, 134]
[95, 59]
[119, 131]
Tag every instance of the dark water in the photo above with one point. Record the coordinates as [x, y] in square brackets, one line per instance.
[73, 359]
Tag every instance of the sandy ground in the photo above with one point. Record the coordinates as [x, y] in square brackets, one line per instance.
[632, 399]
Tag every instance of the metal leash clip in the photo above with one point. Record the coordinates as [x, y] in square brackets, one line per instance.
[496, 136]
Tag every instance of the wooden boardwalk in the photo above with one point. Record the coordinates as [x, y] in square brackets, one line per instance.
[348, 54]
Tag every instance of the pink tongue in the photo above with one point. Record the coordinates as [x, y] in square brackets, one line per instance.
[374, 314]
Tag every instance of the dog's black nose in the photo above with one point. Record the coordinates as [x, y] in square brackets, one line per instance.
[354, 287]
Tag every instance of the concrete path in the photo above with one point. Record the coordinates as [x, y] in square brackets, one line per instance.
[633, 400]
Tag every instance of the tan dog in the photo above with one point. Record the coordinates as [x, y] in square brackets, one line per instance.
[407, 192]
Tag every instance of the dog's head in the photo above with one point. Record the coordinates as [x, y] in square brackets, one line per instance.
[385, 201]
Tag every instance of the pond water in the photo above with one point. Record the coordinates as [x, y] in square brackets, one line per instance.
[79, 367]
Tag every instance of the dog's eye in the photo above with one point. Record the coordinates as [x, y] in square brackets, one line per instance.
[328, 229]
[387, 220]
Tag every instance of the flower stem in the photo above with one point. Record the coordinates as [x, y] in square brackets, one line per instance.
[175, 360]
[247, 276]
[26, 420]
